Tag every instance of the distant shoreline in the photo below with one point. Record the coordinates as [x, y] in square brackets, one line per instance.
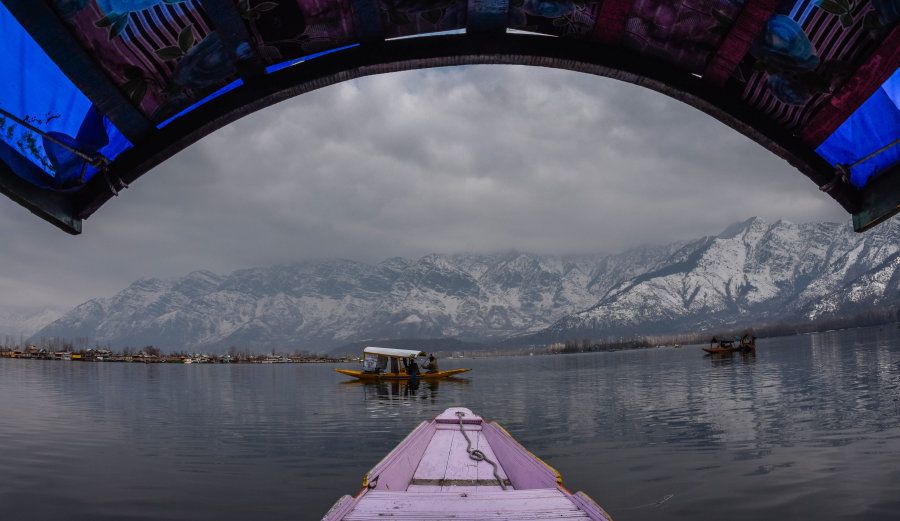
[153, 355]
[91, 356]
[63, 356]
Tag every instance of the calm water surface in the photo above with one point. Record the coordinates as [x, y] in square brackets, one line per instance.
[808, 428]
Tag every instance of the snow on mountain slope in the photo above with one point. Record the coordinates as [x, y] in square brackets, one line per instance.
[318, 305]
[752, 269]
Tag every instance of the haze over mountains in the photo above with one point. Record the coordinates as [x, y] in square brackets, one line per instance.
[24, 322]
[753, 270]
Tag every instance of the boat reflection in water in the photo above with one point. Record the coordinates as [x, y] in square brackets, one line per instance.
[722, 359]
[402, 390]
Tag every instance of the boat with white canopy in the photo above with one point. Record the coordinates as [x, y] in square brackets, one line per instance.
[385, 363]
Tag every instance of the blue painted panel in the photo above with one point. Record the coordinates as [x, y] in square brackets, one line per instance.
[237, 83]
[874, 124]
[284, 65]
[34, 89]
[227, 88]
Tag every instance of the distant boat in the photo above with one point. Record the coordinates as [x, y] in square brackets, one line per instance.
[383, 363]
[746, 344]
[459, 466]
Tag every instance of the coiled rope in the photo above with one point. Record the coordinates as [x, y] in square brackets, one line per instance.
[476, 454]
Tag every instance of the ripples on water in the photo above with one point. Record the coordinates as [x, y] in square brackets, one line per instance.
[807, 428]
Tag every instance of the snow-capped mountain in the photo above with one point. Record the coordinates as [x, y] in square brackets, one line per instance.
[322, 304]
[753, 269]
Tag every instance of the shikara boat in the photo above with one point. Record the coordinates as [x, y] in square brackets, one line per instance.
[383, 363]
[747, 344]
[362, 375]
[459, 466]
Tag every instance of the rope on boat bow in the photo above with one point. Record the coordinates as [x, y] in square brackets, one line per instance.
[476, 454]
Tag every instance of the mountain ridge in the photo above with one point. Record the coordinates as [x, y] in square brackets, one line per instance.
[752, 270]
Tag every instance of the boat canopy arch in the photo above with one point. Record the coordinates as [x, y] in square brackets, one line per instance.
[393, 353]
[97, 92]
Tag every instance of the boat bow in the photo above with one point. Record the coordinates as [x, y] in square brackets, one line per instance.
[438, 471]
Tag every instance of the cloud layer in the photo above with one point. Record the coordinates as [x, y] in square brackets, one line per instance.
[480, 158]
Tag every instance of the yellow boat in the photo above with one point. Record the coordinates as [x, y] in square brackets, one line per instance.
[383, 363]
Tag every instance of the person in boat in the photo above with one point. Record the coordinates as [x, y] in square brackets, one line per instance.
[748, 341]
[431, 366]
[412, 368]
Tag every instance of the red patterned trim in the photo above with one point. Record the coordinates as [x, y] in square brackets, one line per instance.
[867, 79]
[610, 24]
[746, 28]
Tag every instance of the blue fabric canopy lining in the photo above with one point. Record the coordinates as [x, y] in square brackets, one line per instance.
[36, 91]
[875, 124]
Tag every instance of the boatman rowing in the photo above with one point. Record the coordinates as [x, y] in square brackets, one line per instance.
[432, 365]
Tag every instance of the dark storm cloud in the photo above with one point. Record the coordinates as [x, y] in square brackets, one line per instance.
[478, 159]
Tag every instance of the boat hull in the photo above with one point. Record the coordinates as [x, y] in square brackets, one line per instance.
[378, 377]
[729, 350]
[432, 474]
[720, 351]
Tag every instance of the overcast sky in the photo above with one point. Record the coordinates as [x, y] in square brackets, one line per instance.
[482, 158]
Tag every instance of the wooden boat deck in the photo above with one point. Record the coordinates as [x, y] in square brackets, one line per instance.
[430, 475]
[446, 465]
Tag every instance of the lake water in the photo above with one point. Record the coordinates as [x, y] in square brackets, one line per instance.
[808, 428]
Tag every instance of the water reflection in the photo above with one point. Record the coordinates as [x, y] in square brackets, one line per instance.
[403, 390]
[775, 434]
[723, 359]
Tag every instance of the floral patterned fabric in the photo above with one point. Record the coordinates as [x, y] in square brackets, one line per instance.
[806, 53]
[686, 33]
[570, 18]
[287, 29]
[166, 54]
[408, 17]
[163, 54]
